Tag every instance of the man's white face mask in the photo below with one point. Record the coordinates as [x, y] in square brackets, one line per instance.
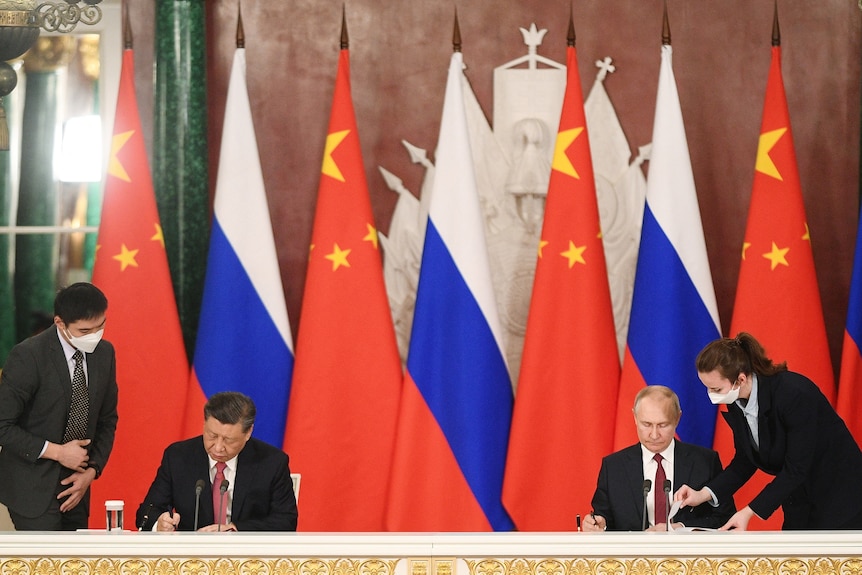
[86, 343]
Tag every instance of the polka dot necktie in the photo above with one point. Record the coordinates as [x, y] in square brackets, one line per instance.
[76, 425]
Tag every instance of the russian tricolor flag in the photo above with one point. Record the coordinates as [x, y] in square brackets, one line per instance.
[244, 342]
[457, 403]
[674, 312]
[850, 384]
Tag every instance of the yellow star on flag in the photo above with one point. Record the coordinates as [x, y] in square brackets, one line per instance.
[562, 163]
[330, 168]
[776, 256]
[115, 168]
[745, 246]
[338, 257]
[542, 244]
[807, 235]
[158, 236]
[371, 236]
[574, 254]
[126, 257]
[764, 163]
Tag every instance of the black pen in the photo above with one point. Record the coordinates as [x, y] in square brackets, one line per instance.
[578, 521]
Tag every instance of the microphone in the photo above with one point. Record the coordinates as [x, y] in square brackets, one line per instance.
[146, 517]
[222, 488]
[646, 487]
[199, 486]
[666, 487]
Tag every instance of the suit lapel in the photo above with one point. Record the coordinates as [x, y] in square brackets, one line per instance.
[736, 420]
[60, 364]
[682, 465]
[635, 468]
[244, 463]
[764, 406]
[200, 464]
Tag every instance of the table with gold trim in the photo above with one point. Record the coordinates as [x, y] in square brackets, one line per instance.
[700, 553]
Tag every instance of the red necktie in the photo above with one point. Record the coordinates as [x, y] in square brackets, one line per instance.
[219, 504]
[658, 492]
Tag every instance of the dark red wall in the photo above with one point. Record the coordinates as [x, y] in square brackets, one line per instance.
[400, 50]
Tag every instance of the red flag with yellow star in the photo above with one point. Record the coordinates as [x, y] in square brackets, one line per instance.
[143, 324]
[570, 367]
[347, 372]
[777, 297]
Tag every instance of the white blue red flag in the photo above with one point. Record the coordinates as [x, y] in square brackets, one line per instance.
[244, 342]
[674, 311]
[850, 384]
[456, 406]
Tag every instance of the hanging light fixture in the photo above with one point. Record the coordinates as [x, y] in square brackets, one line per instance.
[20, 23]
[64, 16]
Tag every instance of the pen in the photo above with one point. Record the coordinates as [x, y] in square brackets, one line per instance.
[578, 521]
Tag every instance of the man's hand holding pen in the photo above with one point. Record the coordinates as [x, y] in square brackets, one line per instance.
[593, 522]
[168, 521]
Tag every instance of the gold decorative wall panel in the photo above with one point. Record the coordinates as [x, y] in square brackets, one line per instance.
[101, 553]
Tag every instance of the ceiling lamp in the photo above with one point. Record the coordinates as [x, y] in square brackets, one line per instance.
[20, 23]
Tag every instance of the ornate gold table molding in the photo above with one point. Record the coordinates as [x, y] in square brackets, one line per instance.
[755, 553]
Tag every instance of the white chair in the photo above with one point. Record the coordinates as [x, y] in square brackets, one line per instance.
[296, 478]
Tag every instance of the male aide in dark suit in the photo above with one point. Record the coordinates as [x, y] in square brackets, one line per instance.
[618, 502]
[58, 415]
[258, 495]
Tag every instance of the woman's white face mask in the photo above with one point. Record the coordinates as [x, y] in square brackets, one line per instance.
[725, 398]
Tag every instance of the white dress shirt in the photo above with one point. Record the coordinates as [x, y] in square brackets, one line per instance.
[649, 467]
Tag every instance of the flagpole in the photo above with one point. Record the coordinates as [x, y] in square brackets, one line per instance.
[240, 32]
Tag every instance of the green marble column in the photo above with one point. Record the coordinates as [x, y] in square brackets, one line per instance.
[36, 255]
[180, 158]
[7, 247]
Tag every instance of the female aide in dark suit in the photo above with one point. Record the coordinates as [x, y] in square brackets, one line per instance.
[783, 425]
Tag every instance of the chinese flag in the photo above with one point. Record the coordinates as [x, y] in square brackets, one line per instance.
[132, 269]
[347, 374]
[777, 297]
[561, 429]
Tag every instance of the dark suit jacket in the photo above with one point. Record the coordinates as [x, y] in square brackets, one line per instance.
[619, 492]
[35, 396]
[816, 463]
[263, 498]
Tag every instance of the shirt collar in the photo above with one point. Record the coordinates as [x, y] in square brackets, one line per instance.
[751, 407]
[648, 455]
[68, 348]
[230, 463]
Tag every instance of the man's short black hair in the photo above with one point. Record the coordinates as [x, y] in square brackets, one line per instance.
[231, 407]
[79, 301]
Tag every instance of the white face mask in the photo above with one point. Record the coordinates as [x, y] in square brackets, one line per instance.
[728, 397]
[86, 343]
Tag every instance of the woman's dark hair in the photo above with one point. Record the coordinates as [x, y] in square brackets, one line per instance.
[732, 356]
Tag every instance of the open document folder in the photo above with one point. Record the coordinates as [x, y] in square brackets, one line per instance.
[673, 510]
